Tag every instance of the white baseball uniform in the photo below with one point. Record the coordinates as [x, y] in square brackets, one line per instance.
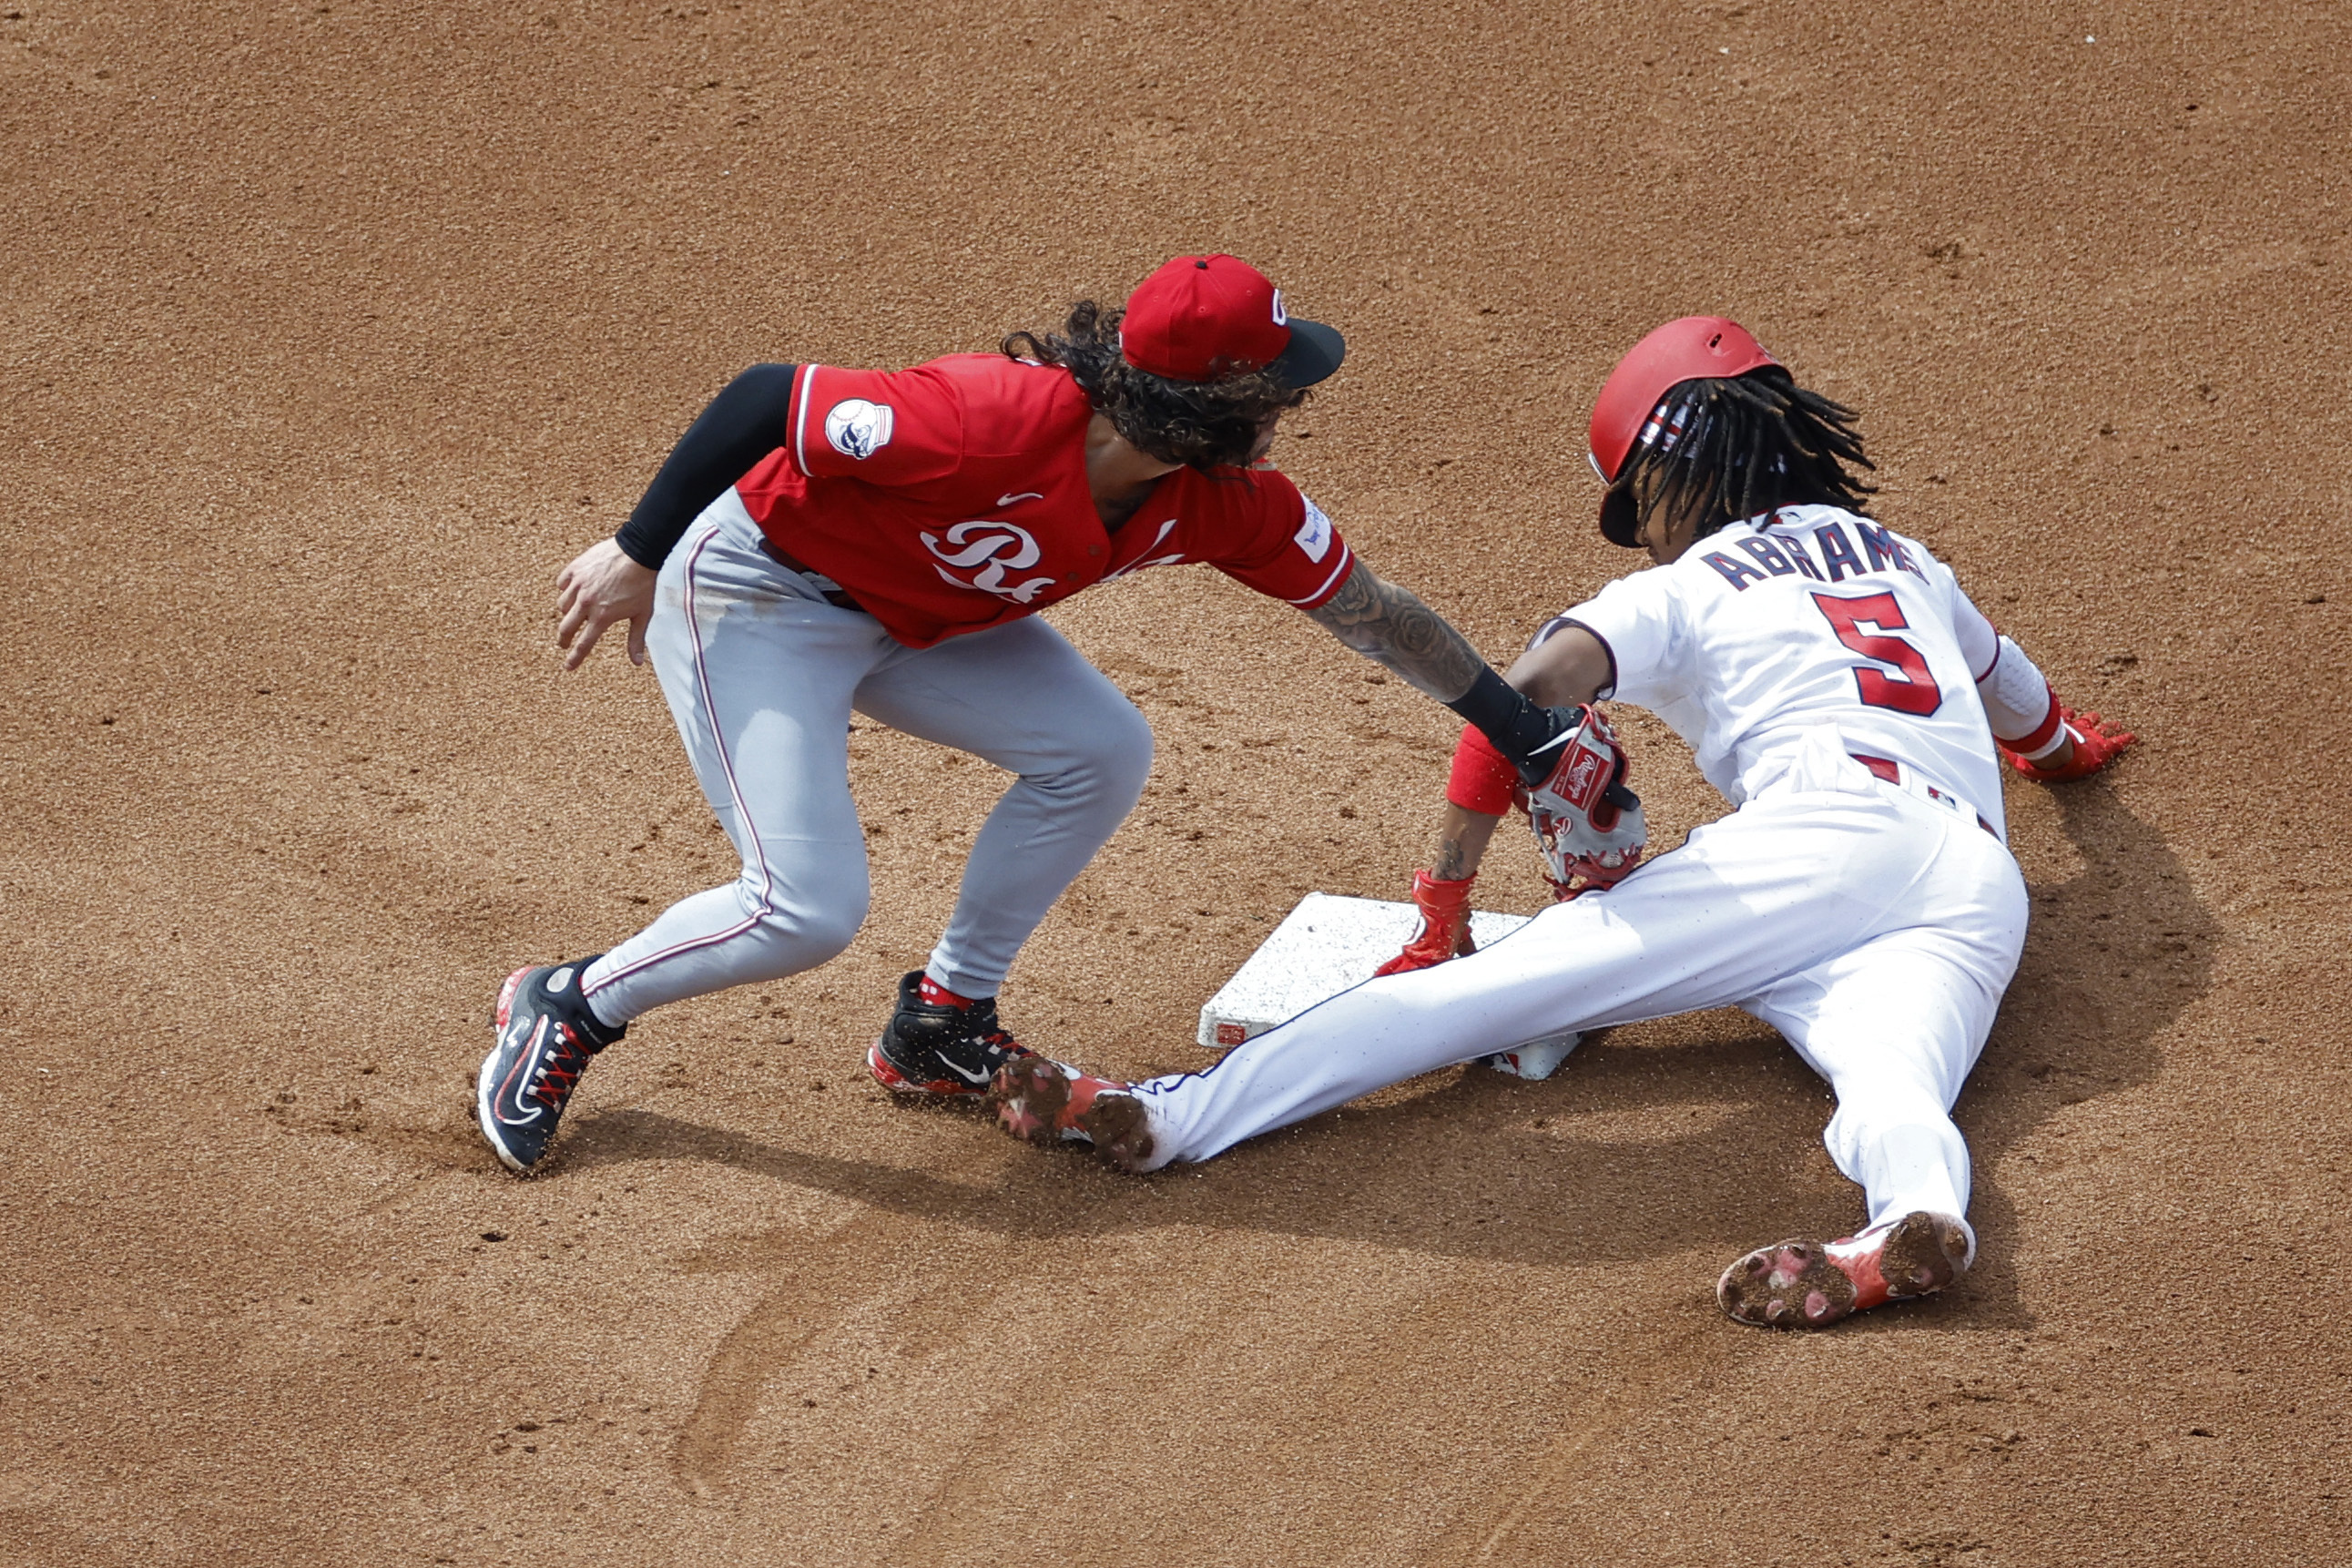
[1842, 693]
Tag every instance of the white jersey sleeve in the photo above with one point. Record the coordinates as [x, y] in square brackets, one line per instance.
[1639, 623]
[2018, 700]
[1979, 643]
[1635, 618]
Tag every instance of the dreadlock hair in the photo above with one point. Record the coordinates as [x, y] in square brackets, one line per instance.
[1732, 448]
[1202, 425]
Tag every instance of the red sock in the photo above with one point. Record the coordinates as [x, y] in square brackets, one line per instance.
[938, 995]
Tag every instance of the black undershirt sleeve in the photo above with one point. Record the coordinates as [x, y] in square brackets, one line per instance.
[743, 424]
[1522, 732]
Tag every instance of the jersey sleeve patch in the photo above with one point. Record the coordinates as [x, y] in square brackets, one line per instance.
[1314, 535]
[856, 429]
[884, 428]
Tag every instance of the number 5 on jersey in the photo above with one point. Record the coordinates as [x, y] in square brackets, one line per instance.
[1912, 688]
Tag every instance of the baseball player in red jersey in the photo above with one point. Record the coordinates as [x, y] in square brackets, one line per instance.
[1840, 690]
[825, 540]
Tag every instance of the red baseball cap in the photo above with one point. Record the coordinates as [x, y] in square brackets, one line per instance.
[1632, 403]
[1205, 317]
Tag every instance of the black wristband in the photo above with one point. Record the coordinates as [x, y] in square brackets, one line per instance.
[1511, 720]
[743, 424]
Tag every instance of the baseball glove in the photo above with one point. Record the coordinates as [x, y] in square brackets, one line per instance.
[1587, 826]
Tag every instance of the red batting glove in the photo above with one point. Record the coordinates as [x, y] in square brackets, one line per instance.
[2096, 743]
[1444, 924]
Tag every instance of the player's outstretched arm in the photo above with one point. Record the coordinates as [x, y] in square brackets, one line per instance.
[2042, 737]
[1386, 621]
[1390, 624]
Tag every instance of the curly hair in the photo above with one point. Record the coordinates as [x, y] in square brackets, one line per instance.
[1751, 444]
[1202, 425]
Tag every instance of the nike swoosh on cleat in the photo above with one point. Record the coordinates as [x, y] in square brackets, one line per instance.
[983, 1076]
[523, 1115]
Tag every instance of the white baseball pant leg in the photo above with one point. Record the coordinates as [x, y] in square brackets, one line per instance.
[1879, 928]
[1894, 1027]
[762, 674]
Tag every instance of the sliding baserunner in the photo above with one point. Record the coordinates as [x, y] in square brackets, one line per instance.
[1849, 701]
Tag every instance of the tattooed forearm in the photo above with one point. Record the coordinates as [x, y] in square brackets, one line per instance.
[1453, 862]
[1462, 842]
[1387, 623]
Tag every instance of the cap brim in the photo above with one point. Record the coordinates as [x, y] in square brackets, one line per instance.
[1315, 352]
[1618, 524]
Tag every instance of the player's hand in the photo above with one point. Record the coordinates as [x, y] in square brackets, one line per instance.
[1444, 924]
[601, 586]
[2095, 743]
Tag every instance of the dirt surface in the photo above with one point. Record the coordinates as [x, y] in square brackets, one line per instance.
[327, 332]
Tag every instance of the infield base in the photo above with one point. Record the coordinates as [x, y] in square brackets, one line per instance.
[1330, 944]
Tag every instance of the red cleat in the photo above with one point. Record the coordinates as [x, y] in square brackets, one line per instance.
[1045, 1101]
[1812, 1284]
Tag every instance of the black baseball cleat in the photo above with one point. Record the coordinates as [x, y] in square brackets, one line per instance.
[545, 1035]
[936, 1047]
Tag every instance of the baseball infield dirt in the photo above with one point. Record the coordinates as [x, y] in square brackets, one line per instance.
[329, 331]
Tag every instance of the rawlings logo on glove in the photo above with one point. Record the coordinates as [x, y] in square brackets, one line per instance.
[1587, 826]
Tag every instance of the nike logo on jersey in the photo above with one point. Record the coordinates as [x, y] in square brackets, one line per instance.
[1024, 495]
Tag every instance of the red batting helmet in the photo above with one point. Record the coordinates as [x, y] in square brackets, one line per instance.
[1693, 347]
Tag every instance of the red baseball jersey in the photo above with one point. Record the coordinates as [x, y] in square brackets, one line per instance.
[952, 496]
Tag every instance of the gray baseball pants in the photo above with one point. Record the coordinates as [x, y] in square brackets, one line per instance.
[763, 673]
